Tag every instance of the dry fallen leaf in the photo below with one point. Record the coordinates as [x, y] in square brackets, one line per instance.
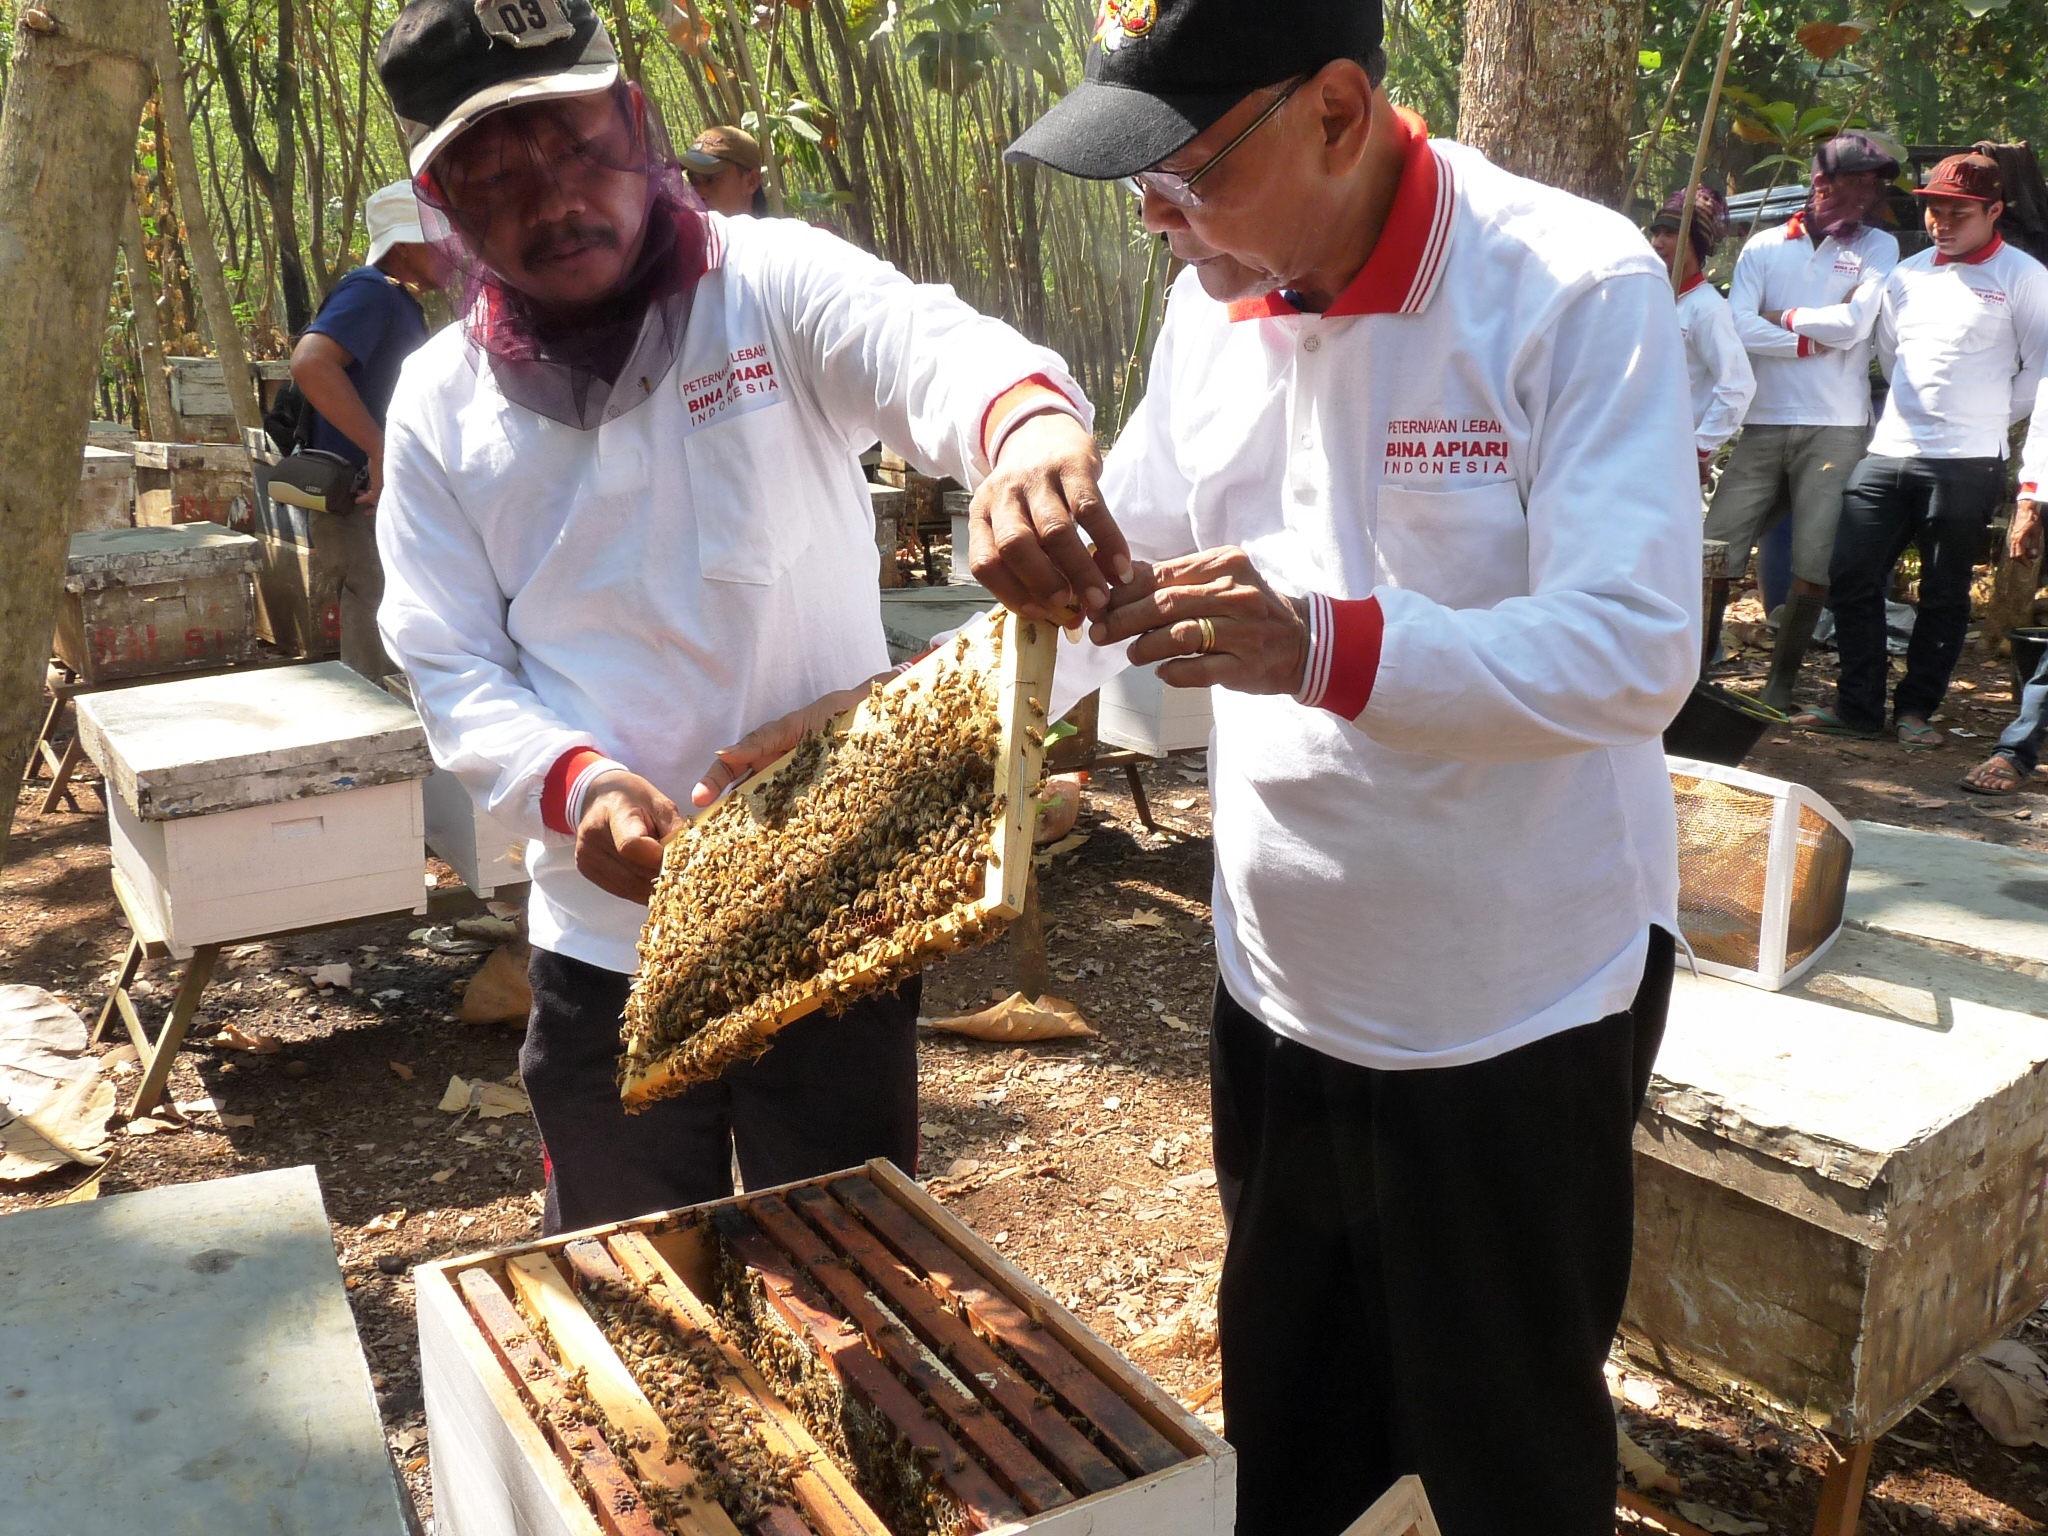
[336, 975]
[442, 1177]
[1014, 1019]
[235, 1038]
[401, 1071]
[491, 1101]
[390, 1221]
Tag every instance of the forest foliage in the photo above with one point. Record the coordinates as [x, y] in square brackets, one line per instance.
[888, 119]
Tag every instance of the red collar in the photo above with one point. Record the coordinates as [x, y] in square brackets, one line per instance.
[1976, 258]
[1402, 271]
[1691, 283]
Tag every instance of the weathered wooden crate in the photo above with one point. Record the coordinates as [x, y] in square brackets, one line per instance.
[1840, 1186]
[1002, 659]
[298, 583]
[256, 802]
[195, 483]
[106, 490]
[139, 602]
[199, 396]
[920, 1383]
[892, 526]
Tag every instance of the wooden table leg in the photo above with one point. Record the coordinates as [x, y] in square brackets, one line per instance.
[60, 779]
[1841, 1494]
[39, 757]
[157, 1060]
[126, 975]
[1138, 797]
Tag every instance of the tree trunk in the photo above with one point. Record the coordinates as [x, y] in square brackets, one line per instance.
[203, 254]
[278, 185]
[1547, 86]
[149, 332]
[2013, 586]
[67, 139]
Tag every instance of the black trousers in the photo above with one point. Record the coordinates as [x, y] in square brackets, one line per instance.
[830, 1093]
[1425, 1272]
[1942, 506]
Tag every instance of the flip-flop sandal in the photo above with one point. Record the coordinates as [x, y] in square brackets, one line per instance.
[1998, 763]
[1919, 738]
[1824, 722]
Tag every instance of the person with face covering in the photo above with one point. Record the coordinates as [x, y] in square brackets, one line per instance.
[1412, 492]
[624, 523]
[1805, 299]
[1716, 366]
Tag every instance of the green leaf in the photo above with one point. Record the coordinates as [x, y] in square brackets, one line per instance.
[1817, 120]
[1649, 58]
[870, 19]
[1742, 94]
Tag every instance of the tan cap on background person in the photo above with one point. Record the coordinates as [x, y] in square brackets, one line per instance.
[727, 146]
[392, 216]
[1973, 177]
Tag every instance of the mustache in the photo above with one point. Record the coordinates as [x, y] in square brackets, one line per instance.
[566, 239]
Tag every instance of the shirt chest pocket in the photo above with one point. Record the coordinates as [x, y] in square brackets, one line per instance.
[1463, 549]
[747, 492]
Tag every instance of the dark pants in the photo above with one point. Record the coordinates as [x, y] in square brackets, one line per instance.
[1425, 1272]
[2022, 739]
[362, 589]
[830, 1093]
[1942, 507]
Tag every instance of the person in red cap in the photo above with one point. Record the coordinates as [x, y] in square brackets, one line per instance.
[1805, 300]
[1413, 489]
[1962, 333]
[1716, 365]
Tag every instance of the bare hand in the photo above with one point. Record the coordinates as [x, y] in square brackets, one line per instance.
[2024, 545]
[366, 501]
[1029, 517]
[618, 839]
[761, 746]
[1261, 636]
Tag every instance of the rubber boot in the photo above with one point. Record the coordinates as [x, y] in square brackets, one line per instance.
[1795, 632]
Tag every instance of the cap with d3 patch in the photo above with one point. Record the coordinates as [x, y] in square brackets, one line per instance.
[446, 63]
[1161, 71]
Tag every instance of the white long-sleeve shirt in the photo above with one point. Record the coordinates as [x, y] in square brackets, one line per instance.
[1814, 369]
[1483, 452]
[1716, 365]
[1963, 344]
[657, 587]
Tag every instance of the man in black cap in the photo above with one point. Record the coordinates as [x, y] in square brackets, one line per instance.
[1805, 297]
[622, 524]
[1413, 489]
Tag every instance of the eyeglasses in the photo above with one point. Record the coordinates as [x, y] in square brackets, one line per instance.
[1180, 190]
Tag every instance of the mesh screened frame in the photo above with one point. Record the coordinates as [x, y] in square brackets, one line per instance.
[1763, 872]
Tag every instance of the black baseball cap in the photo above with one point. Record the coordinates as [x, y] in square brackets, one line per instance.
[1161, 71]
[446, 63]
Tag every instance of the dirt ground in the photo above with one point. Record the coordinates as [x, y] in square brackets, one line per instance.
[1087, 1162]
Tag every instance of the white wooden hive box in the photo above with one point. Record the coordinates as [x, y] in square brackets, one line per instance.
[846, 1310]
[1142, 714]
[257, 802]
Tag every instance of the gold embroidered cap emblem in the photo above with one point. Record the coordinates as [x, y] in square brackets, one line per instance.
[1122, 21]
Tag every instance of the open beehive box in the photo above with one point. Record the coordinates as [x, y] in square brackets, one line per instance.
[834, 1358]
[901, 833]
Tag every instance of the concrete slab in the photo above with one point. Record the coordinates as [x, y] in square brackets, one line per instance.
[183, 1361]
[1982, 897]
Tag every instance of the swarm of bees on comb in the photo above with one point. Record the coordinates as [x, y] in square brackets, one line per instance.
[901, 833]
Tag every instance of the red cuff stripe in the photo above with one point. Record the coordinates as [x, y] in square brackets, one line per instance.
[1012, 399]
[554, 790]
[1806, 346]
[1356, 630]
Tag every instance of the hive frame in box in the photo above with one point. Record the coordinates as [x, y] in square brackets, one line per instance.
[1788, 799]
[500, 1465]
[1024, 654]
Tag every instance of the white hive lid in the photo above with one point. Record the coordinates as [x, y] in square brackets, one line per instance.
[140, 557]
[193, 746]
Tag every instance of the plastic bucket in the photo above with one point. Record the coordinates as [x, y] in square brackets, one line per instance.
[1718, 726]
[2027, 648]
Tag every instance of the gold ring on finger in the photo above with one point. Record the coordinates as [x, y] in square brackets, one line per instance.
[1208, 629]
